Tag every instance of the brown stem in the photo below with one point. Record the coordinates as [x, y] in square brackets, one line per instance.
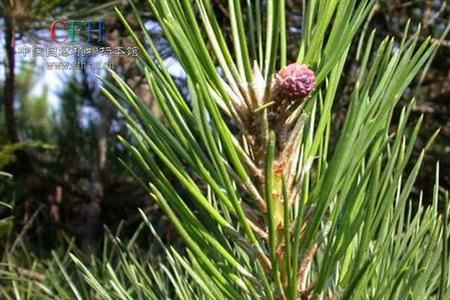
[305, 263]
[9, 88]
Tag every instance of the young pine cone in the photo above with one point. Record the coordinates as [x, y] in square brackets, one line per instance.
[293, 82]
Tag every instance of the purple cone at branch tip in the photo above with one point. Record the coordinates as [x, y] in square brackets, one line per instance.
[295, 81]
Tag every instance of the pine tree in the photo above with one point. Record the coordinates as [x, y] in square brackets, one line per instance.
[269, 205]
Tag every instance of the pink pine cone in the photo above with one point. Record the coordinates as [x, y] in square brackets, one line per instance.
[295, 81]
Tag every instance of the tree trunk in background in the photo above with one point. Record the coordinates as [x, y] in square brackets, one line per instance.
[9, 88]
